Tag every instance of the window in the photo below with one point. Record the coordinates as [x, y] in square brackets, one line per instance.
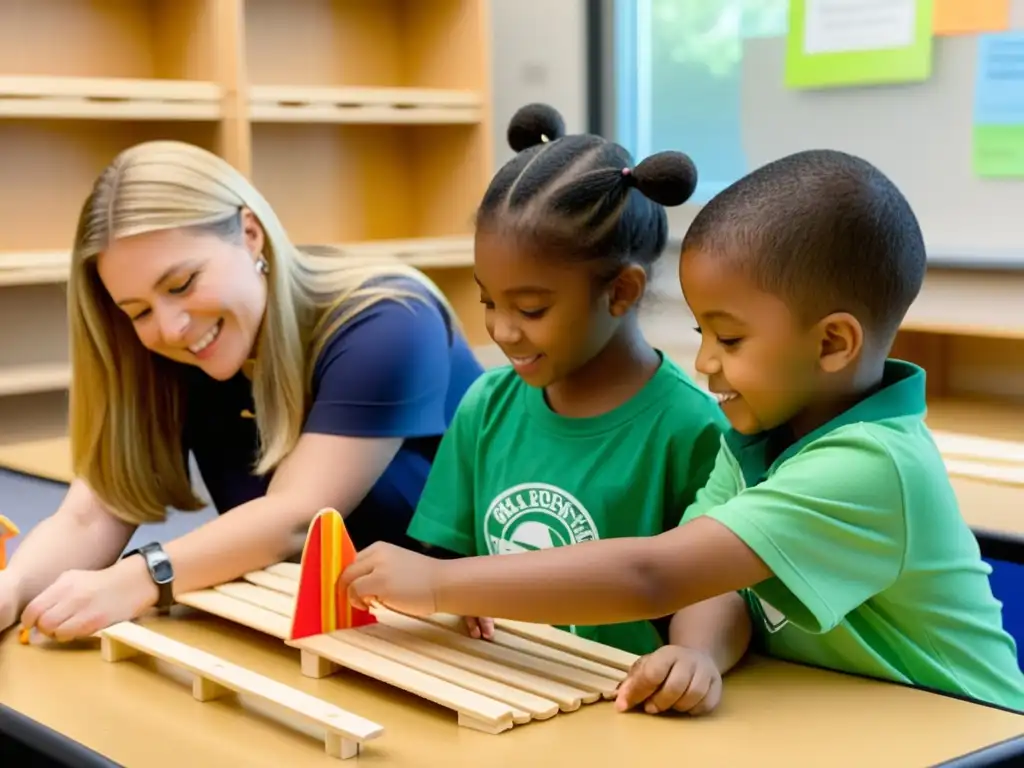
[677, 79]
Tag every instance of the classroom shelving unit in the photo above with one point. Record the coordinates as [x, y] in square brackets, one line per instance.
[365, 123]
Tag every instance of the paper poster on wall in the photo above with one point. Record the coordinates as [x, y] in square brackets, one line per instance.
[998, 136]
[835, 43]
[967, 17]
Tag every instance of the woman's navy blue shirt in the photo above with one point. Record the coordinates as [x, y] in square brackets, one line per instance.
[398, 369]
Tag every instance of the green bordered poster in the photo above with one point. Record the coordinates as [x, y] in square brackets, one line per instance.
[836, 43]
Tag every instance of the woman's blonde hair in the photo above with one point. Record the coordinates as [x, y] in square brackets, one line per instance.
[128, 404]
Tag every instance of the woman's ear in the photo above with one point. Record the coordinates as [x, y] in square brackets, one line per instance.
[252, 233]
[841, 341]
[626, 289]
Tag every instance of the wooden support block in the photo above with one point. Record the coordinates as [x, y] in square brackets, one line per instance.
[204, 689]
[485, 713]
[316, 666]
[215, 677]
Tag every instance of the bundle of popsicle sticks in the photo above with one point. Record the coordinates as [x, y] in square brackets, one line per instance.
[982, 458]
[526, 672]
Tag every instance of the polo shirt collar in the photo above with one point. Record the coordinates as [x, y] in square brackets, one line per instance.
[901, 394]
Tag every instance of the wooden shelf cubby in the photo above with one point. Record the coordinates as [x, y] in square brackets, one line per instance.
[367, 126]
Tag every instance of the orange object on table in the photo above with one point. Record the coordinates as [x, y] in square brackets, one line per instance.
[8, 530]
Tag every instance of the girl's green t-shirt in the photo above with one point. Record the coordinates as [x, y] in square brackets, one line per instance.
[511, 475]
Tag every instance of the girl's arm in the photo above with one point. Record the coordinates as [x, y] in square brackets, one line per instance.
[81, 535]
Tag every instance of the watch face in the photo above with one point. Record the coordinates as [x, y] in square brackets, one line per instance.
[162, 571]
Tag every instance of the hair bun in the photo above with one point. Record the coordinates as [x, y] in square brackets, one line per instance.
[668, 178]
[533, 124]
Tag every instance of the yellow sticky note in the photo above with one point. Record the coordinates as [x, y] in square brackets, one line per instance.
[963, 17]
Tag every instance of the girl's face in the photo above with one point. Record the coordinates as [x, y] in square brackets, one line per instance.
[547, 315]
[193, 298]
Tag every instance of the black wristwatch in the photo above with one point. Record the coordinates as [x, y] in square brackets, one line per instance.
[160, 570]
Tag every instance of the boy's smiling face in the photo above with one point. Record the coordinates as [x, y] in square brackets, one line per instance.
[762, 364]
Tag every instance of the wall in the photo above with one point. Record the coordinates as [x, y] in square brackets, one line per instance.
[540, 55]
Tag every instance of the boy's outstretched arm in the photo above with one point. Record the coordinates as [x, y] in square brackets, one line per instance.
[603, 582]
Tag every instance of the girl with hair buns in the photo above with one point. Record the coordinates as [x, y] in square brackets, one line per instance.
[298, 380]
[590, 433]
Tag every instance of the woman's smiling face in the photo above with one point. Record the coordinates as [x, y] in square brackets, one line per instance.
[192, 297]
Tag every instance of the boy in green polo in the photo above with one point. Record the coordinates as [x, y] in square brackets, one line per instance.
[829, 506]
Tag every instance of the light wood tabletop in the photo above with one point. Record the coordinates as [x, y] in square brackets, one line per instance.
[137, 712]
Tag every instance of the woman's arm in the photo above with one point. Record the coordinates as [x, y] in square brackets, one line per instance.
[81, 535]
[322, 471]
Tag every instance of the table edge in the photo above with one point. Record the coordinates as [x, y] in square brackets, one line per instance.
[55, 745]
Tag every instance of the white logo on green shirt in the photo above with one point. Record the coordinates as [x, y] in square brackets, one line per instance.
[533, 516]
[536, 516]
[774, 619]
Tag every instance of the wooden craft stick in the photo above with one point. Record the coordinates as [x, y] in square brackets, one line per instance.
[1001, 474]
[232, 609]
[285, 570]
[268, 599]
[574, 676]
[475, 710]
[527, 645]
[525, 705]
[566, 641]
[977, 448]
[271, 581]
[215, 677]
[565, 696]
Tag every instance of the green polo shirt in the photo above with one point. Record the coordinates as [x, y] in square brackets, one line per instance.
[876, 572]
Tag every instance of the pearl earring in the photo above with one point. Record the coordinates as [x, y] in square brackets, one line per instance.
[262, 266]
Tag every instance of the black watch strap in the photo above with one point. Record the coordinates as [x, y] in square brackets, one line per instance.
[159, 566]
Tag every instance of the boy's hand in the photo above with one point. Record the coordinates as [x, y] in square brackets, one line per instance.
[480, 628]
[398, 578]
[672, 677]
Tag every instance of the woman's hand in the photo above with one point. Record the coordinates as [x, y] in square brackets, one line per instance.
[80, 603]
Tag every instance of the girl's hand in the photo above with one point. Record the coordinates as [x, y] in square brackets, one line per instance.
[480, 628]
[674, 678]
[80, 603]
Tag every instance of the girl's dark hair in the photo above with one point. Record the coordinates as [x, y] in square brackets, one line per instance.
[580, 195]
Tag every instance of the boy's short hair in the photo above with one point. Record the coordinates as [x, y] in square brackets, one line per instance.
[825, 231]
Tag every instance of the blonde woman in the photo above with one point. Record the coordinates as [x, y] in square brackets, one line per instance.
[298, 380]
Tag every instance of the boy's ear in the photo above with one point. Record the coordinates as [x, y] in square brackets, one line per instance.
[841, 341]
[626, 289]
